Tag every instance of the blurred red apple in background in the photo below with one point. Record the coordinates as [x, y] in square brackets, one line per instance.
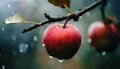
[62, 43]
[103, 37]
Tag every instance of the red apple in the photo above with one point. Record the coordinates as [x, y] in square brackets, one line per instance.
[103, 37]
[60, 42]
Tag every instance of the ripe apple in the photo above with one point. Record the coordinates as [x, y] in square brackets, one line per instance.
[60, 42]
[103, 37]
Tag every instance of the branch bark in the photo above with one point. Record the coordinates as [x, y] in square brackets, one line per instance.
[75, 16]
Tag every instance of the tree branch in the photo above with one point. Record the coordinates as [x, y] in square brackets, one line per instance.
[75, 16]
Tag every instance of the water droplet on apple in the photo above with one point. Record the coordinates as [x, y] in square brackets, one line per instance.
[43, 44]
[104, 53]
[50, 57]
[35, 38]
[3, 66]
[9, 5]
[60, 61]
[89, 40]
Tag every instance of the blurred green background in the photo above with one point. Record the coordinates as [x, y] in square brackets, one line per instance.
[25, 51]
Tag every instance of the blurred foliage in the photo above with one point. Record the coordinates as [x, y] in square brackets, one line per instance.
[25, 51]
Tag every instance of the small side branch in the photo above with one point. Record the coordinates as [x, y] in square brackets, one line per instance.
[75, 16]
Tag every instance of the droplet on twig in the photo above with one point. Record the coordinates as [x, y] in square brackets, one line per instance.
[80, 17]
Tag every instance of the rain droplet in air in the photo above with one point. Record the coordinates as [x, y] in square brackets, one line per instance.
[3, 29]
[60, 61]
[35, 38]
[104, 53]
[50, 57]
[23, 47]
[43, 44]
[9, 5]
[3, 66]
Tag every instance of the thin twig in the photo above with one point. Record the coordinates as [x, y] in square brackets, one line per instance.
[75, 16]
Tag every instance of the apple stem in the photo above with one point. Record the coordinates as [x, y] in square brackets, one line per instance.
[65, 22]
[109, 20]
[69, 12]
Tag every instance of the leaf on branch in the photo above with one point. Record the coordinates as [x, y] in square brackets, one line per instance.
[61, 3]
[17, 18]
